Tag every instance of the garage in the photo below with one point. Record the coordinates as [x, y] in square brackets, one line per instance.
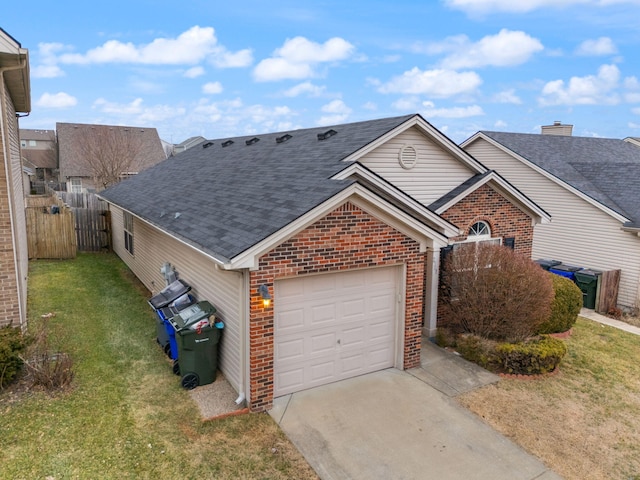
[333, 326]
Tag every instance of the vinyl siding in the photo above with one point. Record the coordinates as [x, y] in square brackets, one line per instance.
[579, 233]
[223, 289]
[435, 173]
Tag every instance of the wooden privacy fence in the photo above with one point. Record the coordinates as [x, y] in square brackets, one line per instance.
[92, 221]
[608, 294]
[81, 224]
[50, 235]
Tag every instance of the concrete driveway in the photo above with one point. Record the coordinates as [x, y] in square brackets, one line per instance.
[393, 425]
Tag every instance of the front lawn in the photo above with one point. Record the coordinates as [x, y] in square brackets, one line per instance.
[125, 415]
[583, 422]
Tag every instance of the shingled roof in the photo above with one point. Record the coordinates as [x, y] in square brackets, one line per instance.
[226, 195]
[605, 169]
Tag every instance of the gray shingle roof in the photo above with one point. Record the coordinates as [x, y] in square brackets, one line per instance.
[605, 169]
[231, 197]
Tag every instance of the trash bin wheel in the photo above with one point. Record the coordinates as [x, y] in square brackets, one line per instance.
[190, 381]
[176, 367]
[167, 350]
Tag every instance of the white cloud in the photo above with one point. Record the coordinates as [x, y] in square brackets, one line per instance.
[298, 57]
[212, 88]
[194, 72]
[56, 100]
[46, 71]
[523, 6]
[507, 96]
[437, 83]
[338, 112]
[190, 47]
[597, 47]
[500, 124]
[407, 104]
[305, 88]
[137, 113]
[429, 111]
[588, 90]
[505, 49]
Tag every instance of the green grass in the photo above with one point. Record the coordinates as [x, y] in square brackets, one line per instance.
[584, 422]
[125, 415]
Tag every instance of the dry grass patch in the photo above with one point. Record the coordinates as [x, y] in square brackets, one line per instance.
[584, 423]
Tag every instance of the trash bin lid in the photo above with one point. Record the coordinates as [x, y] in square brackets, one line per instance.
[566, 268]
[194, 313]
[169, 293]
[586, 275]
[548, 263]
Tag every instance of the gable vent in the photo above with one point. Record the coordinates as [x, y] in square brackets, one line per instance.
[283, 138]
[227, 143]
[207, 145]
[408, 157]
[327, 134]
[252, 141]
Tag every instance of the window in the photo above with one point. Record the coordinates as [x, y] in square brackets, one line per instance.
[23, 143]
[76, 185]
[32, 143]
[128, 232]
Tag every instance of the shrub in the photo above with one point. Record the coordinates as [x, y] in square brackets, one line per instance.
[540, 355]
[565, 306]
[493, 292]
[47, 368]
[476, 349]
[12, 343]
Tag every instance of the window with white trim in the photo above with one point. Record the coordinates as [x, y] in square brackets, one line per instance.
[128, 232]
[76, 185]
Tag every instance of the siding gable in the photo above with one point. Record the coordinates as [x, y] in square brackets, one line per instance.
[436, 171]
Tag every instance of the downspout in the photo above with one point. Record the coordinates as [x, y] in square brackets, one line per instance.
[243, 334]
[7, 165]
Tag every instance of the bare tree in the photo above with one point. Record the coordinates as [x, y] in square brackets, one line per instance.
[110, 153]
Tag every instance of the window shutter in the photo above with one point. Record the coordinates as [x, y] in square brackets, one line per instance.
[510, 242]
[444, 252]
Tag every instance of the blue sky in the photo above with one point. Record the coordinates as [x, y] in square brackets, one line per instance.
[220, 69]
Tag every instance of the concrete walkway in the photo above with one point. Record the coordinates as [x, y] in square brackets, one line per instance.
[403, 425]
[596, 317]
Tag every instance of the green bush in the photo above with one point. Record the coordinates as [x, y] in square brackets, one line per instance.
[476, 349]
[12, 343]
[541, 355]
[565, 306]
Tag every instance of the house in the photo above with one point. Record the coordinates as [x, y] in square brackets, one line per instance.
[188, 143]
[40, 154]
[341, 226]
[15, 98]
[92, 157]
[591, 188]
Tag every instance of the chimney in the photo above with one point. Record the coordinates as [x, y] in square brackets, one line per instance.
[557, 129]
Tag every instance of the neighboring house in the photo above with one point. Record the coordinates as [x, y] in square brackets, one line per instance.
[40, 154]
[342, 226]
[187, 144]
[591, 188]
[15, 97]
[92, 157]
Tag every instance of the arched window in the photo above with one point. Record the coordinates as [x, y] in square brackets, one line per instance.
[479, 231]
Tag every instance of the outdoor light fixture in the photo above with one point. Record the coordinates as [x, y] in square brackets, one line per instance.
[263, 290]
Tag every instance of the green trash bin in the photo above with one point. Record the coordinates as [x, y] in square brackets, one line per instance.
[587, 281]
[197, 338]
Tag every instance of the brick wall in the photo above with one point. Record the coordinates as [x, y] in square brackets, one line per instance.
[505, 220]
[347, 238]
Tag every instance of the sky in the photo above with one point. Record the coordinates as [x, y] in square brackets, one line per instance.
[223, 69]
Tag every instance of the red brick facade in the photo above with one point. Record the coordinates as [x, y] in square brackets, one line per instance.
[347, 238]
[504, 218]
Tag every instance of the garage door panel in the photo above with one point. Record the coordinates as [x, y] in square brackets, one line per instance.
[344, 323]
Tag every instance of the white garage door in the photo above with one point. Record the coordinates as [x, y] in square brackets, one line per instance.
[333, 326]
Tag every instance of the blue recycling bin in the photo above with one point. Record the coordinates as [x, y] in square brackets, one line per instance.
[170, 294]
[568, 271]
[164, 329]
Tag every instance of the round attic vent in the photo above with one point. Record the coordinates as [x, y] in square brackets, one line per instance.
[408, 157]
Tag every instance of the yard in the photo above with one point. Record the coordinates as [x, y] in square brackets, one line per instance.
[583, 422]
[125, 415]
